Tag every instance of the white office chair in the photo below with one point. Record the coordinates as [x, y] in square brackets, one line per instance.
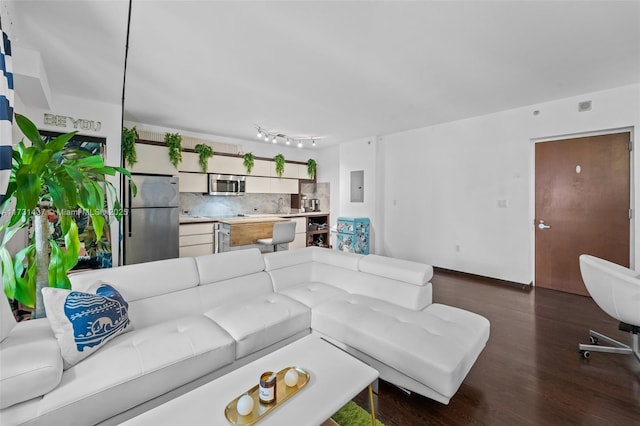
[283, 232]
[616, 290]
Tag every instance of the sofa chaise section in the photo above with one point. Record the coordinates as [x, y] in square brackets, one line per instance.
[434, 347]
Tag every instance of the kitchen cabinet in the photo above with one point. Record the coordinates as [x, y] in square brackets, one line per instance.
[189, 163]
[266, 185]
[226, 165]
[283, 186]
[197, 239]
[257, 185]
[193, 182]
[291, 170]
[263, 168]
[153, 159]
[300, 241]
[318, 230]
[353, 235]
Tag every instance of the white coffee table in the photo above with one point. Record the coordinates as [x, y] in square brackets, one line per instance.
[336, 378]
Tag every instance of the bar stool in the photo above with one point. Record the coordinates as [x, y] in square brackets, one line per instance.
[283, 232]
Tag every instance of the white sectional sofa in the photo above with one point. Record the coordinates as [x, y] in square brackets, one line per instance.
[195, 319]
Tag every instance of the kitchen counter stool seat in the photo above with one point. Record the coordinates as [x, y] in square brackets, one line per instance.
[283, 232]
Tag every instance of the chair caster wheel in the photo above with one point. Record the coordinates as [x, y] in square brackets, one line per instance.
[593, 340]
[585, 354]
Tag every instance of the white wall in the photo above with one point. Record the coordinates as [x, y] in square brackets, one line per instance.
[442, 183]
[358, 155]
[109, 115]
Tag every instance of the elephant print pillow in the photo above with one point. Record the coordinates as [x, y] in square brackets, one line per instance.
[84, 322]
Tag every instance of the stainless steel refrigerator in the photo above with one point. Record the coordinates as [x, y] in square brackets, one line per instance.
[152, 219]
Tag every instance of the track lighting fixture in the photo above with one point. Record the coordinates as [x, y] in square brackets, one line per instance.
[288, 140]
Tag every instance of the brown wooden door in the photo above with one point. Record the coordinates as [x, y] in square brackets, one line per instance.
[582, 190]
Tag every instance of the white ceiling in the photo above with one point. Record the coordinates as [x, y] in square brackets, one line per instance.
[338, 70]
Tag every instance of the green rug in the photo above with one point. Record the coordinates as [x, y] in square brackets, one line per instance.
[353, 415]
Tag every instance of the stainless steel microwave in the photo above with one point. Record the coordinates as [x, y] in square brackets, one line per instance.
[226, 184]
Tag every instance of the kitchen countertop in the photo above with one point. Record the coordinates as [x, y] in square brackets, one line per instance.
[203, 219]
[244, 220]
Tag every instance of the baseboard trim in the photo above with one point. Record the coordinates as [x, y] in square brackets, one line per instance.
[485, 279]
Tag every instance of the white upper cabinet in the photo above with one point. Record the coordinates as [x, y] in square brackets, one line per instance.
[258, 185]
[291, 170]
[283, 186]
[193, 182]
[189, 162]
[153, 159]
[266, 185]
[263, 168]
[222, 164]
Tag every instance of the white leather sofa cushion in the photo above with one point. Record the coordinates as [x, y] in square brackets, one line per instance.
[261, 321]
[142, 280]
[154, 310]
[223, 266]
[233, 290]
[293, 275]
[410, 296]
[336, 258]
[282, 259]
[136, 367]
[396, 269]
[436, 346]
[31, 364]
[313, 293]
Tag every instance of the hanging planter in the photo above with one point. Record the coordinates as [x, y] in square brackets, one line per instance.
[129, 137]
[174, 142]
[204, 153]
[279, 159]
[311, 168]
[248, 161]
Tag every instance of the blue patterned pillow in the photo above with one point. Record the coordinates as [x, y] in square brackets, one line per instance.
[84, 322]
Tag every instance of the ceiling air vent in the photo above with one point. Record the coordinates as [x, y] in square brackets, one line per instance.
[584, 106]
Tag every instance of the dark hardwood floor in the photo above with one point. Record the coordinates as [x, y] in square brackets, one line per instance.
[530, 372]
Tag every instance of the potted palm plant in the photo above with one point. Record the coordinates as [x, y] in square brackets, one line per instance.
[51, 179]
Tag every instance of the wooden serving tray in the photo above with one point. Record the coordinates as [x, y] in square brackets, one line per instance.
[283, 393]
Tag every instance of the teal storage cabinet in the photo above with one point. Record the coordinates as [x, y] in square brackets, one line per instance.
[353, 235]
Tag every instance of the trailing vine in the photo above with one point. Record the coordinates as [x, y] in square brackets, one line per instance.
[174, 142]
[311, 168]
[129, 137]
[279, 159]
[204, 153]
[248, 161]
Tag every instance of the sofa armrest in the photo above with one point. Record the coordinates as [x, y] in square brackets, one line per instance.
[30, 362]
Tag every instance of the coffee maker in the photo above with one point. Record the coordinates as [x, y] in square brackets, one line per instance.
[315, 205]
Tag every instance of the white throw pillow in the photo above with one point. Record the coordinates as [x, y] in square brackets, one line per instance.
[84, 322]
[7, 321]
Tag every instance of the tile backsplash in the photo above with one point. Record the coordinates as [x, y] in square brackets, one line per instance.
[231, 205]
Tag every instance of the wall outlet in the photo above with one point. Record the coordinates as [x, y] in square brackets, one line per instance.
[457, 248]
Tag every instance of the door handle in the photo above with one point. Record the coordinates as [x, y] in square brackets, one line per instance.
[541, 225]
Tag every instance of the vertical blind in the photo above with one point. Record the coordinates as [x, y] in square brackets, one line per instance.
[6, 112]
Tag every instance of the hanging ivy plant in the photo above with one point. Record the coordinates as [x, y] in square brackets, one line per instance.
[248, 161]
[174, 142]
[279, 159]
[129, 137]
[204, 153]
[311, 168]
